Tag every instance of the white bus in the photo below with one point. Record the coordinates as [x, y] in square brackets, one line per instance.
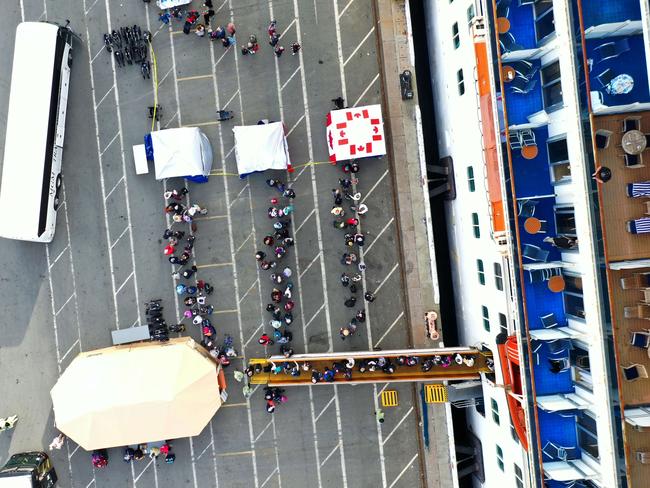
[31, 167]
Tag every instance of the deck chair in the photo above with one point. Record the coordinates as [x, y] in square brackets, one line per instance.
[605, 77]
[534, 253]
[525, 69]
[640, 311]
[636, 281]
[631, 123]
[549, 320]
[527, 137]
[634, 372]
[521, 85]
[633, 161]
[527, 208]
[559, 365]
[559, 346]
[643, 457]
[640, 339]
[508, 43]
[602, 138]
[514, 140]
[610, 50]
[503, 8]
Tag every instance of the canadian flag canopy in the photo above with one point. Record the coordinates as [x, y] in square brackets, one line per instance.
[355, 133]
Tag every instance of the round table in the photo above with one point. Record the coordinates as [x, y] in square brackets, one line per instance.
[529, 152]
[620, 85]
[634, 142]
[556, 284]
[532, 225]
[503, 25]
[508, 73]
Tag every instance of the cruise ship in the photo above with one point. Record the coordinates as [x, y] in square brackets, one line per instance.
[542, 110]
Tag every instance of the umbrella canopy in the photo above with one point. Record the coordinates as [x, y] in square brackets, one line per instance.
[355, 132]
[145, 392]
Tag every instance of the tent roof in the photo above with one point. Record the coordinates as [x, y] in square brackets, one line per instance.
[355, 132]
[130, 394]
[260, 147]
[179, 152]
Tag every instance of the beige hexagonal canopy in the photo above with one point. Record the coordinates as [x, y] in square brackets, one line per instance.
[137, 393]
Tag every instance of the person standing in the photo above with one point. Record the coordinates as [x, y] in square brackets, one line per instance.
[200, 30]
[295, 47]
[369, 296]
[278, 51]
[379, 415]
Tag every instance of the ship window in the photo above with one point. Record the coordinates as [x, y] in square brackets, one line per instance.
[513, 432]
[551, 86]
[476, 226]
[498, 276]
[481, 271]
[565, 221]
[461, 82]
[470, 178]
[558, 157]
[471, 13]
[495, 411]
[519, 476]
[486, 317]
[500, 458]
[455, 35]
[503, 323]
[587, 434]
[544, 20]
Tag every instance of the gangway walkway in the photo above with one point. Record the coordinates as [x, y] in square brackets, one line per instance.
[444, 364]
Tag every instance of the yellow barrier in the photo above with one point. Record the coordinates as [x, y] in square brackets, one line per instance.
[389, 398]
[435, 393]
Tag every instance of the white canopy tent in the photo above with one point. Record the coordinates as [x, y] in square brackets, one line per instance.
[355, 132]
[181, 152]
[261, 147]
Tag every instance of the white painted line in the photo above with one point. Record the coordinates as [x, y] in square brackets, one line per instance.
[109, 144]
[63, 306]
[296, 125]
[377, 394]
[92, 481]
[338, 446]
[118, 239]
[253, 335]
[229, 152]
[401, 314]
[249, 289]
[92, 60]
[221, 6]
[369, 192]
[74, 344]
[113, 189]
[104, 97]
[160, 82]
[345, 8]
[59, 256]
[288, 28]
[53, 307]
[324, 409]
[228, 102]
[290, 78]
[275, 470]
[135, 480]
[243, 243]
[204, 450]
[366, 90]
[398, 424]
[408, 465]
[314, 316]
[22, 10]
[191, 78]
[310, 264]
[176, 114]
[263, 431]
[313, 210]
[386, 278]
[366, 250]
[222, 56]
[125, 282]
[90, 8]
[300, 173]
[239, 194]
[372, 29]
[74, 450]
[339, 49]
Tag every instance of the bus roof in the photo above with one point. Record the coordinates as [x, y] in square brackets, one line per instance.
[27, 127]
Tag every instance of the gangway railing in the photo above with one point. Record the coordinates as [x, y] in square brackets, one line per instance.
[446, 364]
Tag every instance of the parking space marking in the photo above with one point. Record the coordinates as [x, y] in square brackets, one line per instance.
[230, 100]
[386, 278]
[372, 29]
[324, 409]
[22, 10]
[320, 309]
[254, 334]
[227, 51]
[225, 405]
[118, 239]
[368, 247]
[176, 114]
[345, 8]
[221, 6]
[302, 117]
[196, 77]
[204, 450]
[378, 393]
[237, 453]
[243, 243]
[63, 306]
[135, 480]
[91, 7]
[115, 187]
[91, 481]
[337, 447]
[369, 192]
[238, 194]
[249, 289]
[160, 82]
[269, 477]
[225, 311]
[104, 98]
[287, 28]
[59, 256]
[109, 144]
[383, 336]
[374, 80]
[213, 265]
[408, 465]
[290, 78]
[203, 124]
[92, 60]
[74, 344]
[211, 217]
[398, 424]
[313, 210]
[268, 425]
[310, 264]
[125, 282]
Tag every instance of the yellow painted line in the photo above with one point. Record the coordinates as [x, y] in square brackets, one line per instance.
[224, 311]
[221, 173]
[211, 217]
[213, 265]
[233, 405]
[435, 393]
[177, 32]
[389, 398]
[239, 453]
[198, 124]
[197, 77]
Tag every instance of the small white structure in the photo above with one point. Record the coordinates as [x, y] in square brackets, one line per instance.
[355, 132]
[261, 147]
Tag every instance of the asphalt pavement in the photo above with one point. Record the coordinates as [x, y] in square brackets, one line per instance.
[106, 260]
